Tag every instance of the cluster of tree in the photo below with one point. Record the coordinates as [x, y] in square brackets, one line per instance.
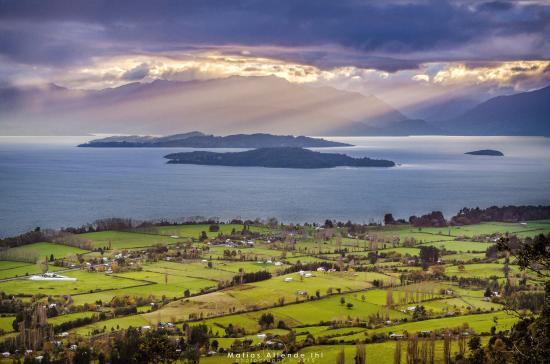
[389, 220]
[9, 304]
[266, 320]
[30, 237]
[251, 277]
[68, 325]
[433, 219]
[428, 255]
[467, 216]
[308, 267]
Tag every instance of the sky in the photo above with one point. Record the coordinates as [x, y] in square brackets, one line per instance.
[404, 51]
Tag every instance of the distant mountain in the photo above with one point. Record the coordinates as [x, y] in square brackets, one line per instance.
[229, 106]
[399, 128]
[276, 158]
[199, 140]
[526, 113]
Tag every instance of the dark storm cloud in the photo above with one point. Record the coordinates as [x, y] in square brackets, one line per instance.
[388, 35]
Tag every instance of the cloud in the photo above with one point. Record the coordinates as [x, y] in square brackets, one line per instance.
[137, 73]
[389, 35]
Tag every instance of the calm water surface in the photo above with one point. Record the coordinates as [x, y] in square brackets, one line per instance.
[48, 182]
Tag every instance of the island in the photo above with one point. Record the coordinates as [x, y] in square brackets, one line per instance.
[489, 152]
[197, 139]
[287, 157]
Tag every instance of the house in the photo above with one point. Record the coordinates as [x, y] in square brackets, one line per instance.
[278, 263]
[288, 279]
[302, 293]
[321, 269]
[396, 336]
[308, 275]
[146, 327]
[174, 236]
[73, 347]
[261, 336]
[6, 354]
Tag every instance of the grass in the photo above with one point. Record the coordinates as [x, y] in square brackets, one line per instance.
[480, 323]
[18, 269]
[461, 246]
[85, 283]
[6, 323]
[115, 324]
[42, 250]
[167, 284]
[192, 269]
[57, 320]
[262, 294]
[481, 270]
[193, 231]
[125, 240]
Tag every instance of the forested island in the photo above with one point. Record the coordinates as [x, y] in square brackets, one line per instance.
[489, 152]
[276, 158]
[197, 139]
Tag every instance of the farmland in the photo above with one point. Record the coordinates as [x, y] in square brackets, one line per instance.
[326, 287]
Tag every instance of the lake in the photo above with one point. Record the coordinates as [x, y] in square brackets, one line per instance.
[48, 182]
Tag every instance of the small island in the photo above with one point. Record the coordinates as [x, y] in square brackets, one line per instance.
[489, 152]
[276, 158]
[197, 139]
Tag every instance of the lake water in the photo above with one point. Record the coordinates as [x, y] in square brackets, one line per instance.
[48, 182]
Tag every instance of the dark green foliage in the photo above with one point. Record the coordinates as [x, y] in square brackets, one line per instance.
[276, 158]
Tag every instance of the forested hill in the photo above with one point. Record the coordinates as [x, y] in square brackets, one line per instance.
[200, 140]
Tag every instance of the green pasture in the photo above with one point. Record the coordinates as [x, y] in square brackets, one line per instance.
[191, 269]
[118, 323]
[194, 231]
[19, 269]
[85, 283]
[480, 270]
[125, 240]
[461, 246]
[6, 323]
[57, 320]
[40, 251]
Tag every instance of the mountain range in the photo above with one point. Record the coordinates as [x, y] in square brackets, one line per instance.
[250, 105]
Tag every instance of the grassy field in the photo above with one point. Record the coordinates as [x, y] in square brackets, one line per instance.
[461, 246]
[40, 251]
[86, 282]
[18, 269]
[482, 270]
[6, 323]
[125, 240]
[113, 324]
[163, 276]
[193, 231]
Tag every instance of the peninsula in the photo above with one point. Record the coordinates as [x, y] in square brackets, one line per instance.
[276, 158]
[197, 139]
